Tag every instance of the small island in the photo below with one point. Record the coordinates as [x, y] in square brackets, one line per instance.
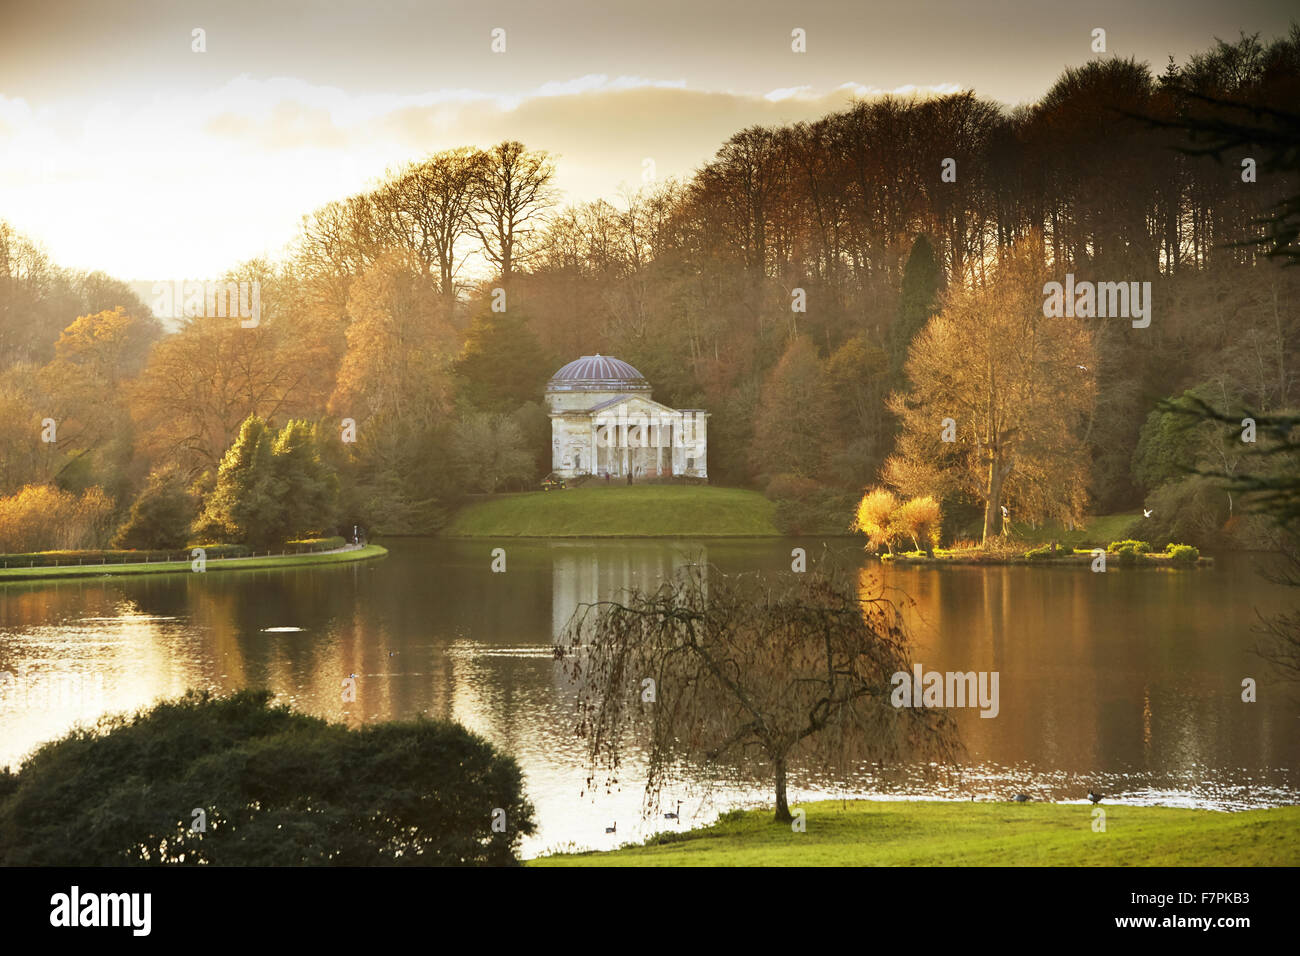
[1118, 554]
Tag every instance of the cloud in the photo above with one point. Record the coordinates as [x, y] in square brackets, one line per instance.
[189, 185]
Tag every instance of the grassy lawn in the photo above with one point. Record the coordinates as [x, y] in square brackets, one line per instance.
[223, 564]
[1099, 531]
[614, 510]
[921, 833]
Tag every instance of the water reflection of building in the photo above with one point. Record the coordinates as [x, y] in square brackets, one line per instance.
[584, 572]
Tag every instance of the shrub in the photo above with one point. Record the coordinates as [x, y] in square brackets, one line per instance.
[318, 544]
[1127, 552]
[161, 516]
[52, 559]
[1137, 547]
[1183, 553]
[41, 517]
[1039, 554]
[278, 788]
[827, 512]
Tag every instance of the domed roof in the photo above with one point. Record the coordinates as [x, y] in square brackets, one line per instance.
[597, 372]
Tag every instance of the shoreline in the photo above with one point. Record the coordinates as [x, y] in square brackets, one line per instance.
[308, 559]
[1079, 561]
[958, 833]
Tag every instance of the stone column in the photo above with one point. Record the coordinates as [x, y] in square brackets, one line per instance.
[594, 467]
[702, 456]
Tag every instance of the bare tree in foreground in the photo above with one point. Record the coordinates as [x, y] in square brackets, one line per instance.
[763, 673]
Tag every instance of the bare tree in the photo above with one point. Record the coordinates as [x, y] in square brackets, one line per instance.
[428, 209]
[513, 197]
[764, 673]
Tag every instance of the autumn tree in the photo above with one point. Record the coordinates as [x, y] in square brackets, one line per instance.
[858, 375]
[874, 518]
[794, 416]
[24, 458]
[46, 518]
[1011, 388]
[202, 382]
[82, 391]
[28, 281]
[398, 346]
[750, 676]
[394, 384]
[919, 519]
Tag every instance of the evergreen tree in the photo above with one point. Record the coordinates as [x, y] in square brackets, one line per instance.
[917, 302]
[307, 485]
[270, 487]
[502, 364]
[244, 507]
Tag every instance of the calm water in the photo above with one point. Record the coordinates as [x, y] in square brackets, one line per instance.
[1130, 682]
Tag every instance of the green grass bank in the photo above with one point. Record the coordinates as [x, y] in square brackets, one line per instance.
[635, 511]
[922, 833]
[213, 564]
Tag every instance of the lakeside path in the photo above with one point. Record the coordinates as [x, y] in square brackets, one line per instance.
[343, 555]
[960, 833]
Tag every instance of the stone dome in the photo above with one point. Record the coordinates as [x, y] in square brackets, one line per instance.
[597, 373]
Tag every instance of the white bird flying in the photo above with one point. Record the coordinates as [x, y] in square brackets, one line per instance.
[1146, 512]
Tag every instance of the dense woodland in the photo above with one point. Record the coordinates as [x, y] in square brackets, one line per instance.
[820, 288]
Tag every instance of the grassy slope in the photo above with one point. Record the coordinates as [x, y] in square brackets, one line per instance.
[919, 833]
[160, 567]
[619, 510]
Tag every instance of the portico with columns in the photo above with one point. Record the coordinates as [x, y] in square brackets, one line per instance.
[603, 421]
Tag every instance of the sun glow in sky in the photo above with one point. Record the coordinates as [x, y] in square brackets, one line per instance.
[122, 149]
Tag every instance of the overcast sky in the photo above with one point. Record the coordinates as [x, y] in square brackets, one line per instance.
[121, 149]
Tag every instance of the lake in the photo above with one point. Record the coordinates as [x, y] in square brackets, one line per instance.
[1129, 682]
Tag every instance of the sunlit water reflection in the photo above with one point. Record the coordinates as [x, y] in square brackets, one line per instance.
[1129, 683]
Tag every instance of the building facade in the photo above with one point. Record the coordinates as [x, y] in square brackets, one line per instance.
[604, 422]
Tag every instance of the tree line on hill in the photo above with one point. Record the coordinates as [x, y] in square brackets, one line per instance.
[822, 288]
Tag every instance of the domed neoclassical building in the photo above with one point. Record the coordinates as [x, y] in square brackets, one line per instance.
[603, 421]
